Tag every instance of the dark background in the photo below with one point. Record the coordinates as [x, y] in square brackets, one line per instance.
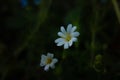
[27, 32]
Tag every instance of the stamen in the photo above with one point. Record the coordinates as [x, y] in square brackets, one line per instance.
[49, 60]
[68, 37]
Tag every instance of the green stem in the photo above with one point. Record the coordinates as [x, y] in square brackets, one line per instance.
[116, 7]
[92, 47]
[94, 24]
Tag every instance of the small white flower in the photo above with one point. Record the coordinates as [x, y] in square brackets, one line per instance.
[67, 37]
[48, 61]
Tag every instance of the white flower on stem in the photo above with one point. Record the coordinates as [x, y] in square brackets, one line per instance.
[48, 61]
[67, 37]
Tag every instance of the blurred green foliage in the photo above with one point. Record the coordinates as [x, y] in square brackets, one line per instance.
[26, 33]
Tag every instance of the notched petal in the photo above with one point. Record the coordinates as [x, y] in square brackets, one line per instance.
[43, 58]
[50, 55]
[42, 64]
[46, 68]
[75, 34]
[54, 60]
[70, 43]
[73, 29]
[61, 34]
[63, 29]
[58, 40]
[60, 43]
[66, 46]
[69, 28]
[74, 39]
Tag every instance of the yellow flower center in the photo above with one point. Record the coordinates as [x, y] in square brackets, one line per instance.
[68, 37]
[48, 61]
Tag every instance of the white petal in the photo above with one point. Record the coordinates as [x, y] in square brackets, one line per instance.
[70, 43]
[46, 68]
[63, 29]
[69, 28]
[50, 55]
[73, 29]
[61, 34]
[59, 40]
[43, 58]
[42, 64]
[60, 43]
[74, 39]
[75, 34]
[52, 65]
[54, 60]
[66, 45]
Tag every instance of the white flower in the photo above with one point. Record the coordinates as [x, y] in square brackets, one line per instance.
[48, 61]
[67, 37]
